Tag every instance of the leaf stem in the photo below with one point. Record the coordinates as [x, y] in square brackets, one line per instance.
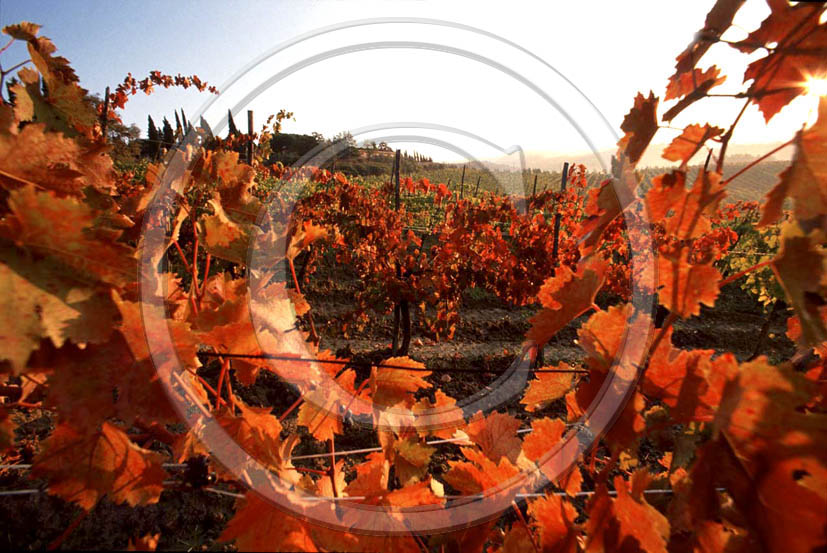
[755, 162]
[183, 257]
[728, 136]
[57, 542]
[738, 275]
[522, 520]
[290, 409]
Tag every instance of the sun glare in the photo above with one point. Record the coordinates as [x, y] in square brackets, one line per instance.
[817, 86]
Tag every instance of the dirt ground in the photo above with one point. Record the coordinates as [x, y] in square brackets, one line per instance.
[486, 339]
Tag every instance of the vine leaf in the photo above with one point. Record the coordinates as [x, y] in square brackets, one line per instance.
[44, 299]
[683, 286]
[320, 413]
[690, 383]
[688, 82]
[717, 21]
[82, 468]
[496, 435]
[801, 267]
[7, 427]
[257, 432]
[145, 543]
[391, 386]
[685, 214]
[564, 297]
[66, 229]
[545, 434]
[307, 233]
[478, 473]
[554, 517]
[804, 180]
[371, 476]
[24, 30]
[796, 43]
[689, 142]
[411, 460]
[628, 522]
[547, 387]
[639, 126]
[259, 526]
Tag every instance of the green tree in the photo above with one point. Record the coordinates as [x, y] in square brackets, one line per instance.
[153, 142]
[168, 134]
[232, 129]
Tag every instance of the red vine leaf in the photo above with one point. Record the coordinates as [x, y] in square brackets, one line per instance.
[639, 126]
[800, 267]
[479, 474]
[565, 296]
[545, 435]
[496, 435]
[796, 43]
[391, 386]
[690, 141]
[82, 468]
[683, 286]
[145, 543]
[554, 517]
[66, 229]
[259, 526]
[547, 387]
[804, 180]
[685, 83]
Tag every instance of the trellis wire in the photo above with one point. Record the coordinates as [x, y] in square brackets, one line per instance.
[302, 457]
[378, 365]
[374, 449]
[219, 491]
[23, 466]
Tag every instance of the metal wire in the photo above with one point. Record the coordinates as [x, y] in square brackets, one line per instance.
[30, 491]
[301, 457]
[380, 365]
[475, 497]
[373, 449]
[27, 467]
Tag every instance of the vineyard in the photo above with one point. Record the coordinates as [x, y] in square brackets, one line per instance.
[215, 352]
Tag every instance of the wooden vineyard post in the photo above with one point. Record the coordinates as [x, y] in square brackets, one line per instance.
[395, 179]
[402, 309]
[250, 136]
[433, 211]
[563, 180]
[556, 246]
[396, 308]
[462, 182]
[534, 189]
[105, 113]
[477, 187]
[765, 330]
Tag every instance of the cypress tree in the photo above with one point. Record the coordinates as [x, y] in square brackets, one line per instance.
[9, 85]
[233, 130]
[153, 143]
[151, 129]
[206, 126]
[169, 135]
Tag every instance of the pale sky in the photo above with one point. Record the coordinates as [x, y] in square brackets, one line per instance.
[609, 50]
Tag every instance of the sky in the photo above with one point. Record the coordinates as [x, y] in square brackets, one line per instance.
[460, 104]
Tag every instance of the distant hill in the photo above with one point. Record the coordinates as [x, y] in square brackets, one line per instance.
[752, 185]
[736, 153]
